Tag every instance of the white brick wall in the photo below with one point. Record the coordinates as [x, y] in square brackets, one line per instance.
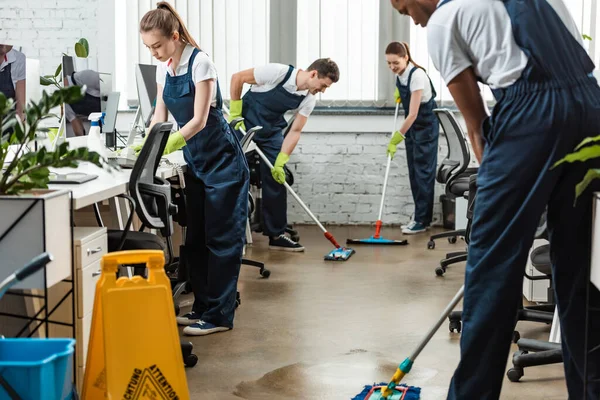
[340, 178]
[46, 29]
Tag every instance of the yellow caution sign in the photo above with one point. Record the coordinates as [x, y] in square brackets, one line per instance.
[134, 349]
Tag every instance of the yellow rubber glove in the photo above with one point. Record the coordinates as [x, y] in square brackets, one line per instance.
[277, 172]
[138, 147]
[396, 139]
[397, 96]
[235, 111]
[176, 141]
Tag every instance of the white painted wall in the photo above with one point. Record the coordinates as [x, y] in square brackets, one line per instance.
[45, 29]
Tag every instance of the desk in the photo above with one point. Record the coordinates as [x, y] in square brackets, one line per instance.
[90, 243]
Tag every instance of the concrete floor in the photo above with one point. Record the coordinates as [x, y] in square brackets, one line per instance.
[322, 330]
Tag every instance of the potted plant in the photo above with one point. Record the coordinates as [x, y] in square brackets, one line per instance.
[34, 218]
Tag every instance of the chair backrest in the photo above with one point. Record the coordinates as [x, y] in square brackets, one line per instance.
[152, 195]
[458, 158]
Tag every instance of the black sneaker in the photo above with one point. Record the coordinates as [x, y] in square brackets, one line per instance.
[284, 243]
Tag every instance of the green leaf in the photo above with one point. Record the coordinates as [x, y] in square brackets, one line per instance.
[588, 140]
[586, 37]
[2, 101]
[587, 179]
[39, 174]
[85, 45]
[58, 69]
[583, 154]
[80, 50]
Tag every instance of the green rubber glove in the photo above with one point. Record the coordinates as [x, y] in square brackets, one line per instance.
[235, 111]
[176, 141]
[397, 96]
[138, 147]
[396, 139]
[277, 172]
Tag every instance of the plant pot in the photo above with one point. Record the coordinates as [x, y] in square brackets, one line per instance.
[30, 224]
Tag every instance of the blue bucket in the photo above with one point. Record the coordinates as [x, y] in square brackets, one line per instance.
[37, 368]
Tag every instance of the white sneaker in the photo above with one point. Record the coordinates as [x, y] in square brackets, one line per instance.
[188, 319]
[414, 228]
[411, 221]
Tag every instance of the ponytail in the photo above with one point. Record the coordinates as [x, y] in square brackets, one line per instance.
[166, 19]
[401, 49]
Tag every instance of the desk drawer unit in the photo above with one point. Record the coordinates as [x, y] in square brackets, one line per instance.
[90, 245]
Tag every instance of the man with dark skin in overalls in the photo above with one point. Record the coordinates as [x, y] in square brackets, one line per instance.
[530, 53]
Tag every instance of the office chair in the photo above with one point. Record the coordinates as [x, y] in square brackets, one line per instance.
[542, 313]
[245, 141]
[537, 352]
[254, 162]
[454, 170]
[150, 198]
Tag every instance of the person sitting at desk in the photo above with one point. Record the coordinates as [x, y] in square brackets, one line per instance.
[12, 76]
[90, 103]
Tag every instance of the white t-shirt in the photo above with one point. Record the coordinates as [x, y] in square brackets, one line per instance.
[202, 70]
[17, 67]
[419, 81]
[89, 78]
[478, 33]
[268, 76]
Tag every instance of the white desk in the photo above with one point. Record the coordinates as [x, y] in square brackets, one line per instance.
[109, 184]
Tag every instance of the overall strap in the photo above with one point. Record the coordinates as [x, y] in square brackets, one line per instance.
[191, 62]
[287, 76]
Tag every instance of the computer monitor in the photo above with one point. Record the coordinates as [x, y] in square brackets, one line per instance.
[112, 108]
[68, 66]
[105, 89]
[33, 92]
[145, 77]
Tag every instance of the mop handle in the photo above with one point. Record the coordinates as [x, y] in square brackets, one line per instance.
[387, 168]
[266, 160]
[406, 365]
[457, 297]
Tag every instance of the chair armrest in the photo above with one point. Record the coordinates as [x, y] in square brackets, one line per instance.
[129, 219]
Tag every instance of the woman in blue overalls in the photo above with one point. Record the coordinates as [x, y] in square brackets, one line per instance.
[420, 132]
[217, 179]
[531, 55]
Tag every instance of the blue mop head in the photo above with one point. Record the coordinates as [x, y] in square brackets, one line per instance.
[373, 240]
[402, 392]
[339, 254]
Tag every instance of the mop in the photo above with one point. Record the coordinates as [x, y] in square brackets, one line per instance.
[394, 391]
[339, 253]
[376, 238]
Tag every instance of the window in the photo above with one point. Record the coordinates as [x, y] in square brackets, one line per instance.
[235, 33]
[347, 32]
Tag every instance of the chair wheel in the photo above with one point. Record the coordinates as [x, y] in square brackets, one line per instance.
[295, 238]
[516, 336]
[439, 271]
[514, 374]
[455, 326]
[191, 360]
[431, 245]
[265, 273]
[452, 240]
[238, 300]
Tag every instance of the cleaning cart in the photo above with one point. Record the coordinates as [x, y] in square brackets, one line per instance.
[35, 369]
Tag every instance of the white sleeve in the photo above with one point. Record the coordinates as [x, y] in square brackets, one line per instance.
[307, 105]
[161, 74]
[270, 74]
[418, 80]
[18, 71]
[447, 50]
[204, 69]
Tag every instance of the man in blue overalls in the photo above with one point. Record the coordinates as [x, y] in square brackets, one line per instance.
[277, 89]
[530, 54]
[12, 76]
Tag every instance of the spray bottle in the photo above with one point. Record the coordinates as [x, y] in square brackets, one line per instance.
[95, 142]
